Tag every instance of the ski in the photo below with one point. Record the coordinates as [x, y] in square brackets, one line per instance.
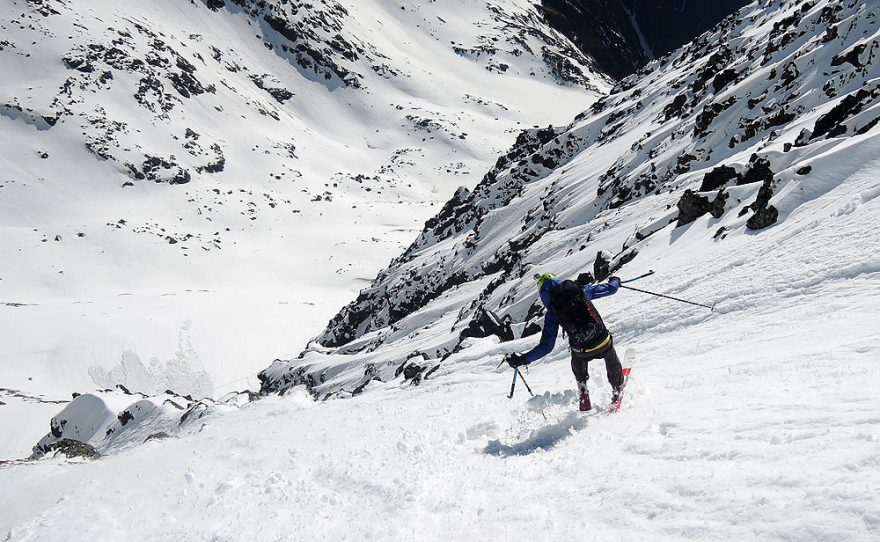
[615, 406]
[628, 359]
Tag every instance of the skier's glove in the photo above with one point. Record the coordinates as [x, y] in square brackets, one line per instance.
[516, 360]
[614, 279]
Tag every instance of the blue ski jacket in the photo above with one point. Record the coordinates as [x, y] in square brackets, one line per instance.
[551, 325]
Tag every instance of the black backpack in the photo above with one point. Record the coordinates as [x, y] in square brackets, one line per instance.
[577, 316]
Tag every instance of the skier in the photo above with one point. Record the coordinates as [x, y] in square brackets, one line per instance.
[569, 305]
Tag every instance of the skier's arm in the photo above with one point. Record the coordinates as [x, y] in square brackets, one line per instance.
[593, 291]
[548, 339]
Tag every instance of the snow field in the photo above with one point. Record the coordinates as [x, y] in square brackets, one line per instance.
[755, 422]
[714, 441]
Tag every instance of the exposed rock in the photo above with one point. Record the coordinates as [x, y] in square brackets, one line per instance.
[716, 208]
[622, 259]
[412, 370]
[759, 171]
[675, 108]
[691, 206]
[157, 436]
[723, 78]
[270, 382]
[532, 328]
[71, 448]
[125, 417]
[868, 127]
[280, 93]
[602, 266]
[487, 323]
[831, 123]
[708, 115]
[718, 177]
[851, 56]
[765, 214]
[763, 217]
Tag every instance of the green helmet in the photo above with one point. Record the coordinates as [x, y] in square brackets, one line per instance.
[542, 277]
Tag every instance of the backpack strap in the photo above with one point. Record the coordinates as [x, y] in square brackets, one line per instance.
[600, 346]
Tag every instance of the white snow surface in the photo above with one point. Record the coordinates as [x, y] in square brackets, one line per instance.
[733, 427]
[107, 278]
[756, 421]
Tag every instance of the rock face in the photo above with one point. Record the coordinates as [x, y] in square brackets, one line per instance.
[72, 449]
[463, 213]
[692, 206]
[625, 35]
[765, 214]
[487, 324]
[714, 122]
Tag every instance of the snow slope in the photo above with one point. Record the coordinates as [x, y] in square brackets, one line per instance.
[188, 190]
[733, 427]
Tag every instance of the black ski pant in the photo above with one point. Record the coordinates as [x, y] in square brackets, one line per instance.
[614, 369]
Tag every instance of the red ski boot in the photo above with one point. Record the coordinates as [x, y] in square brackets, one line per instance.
[584, 404]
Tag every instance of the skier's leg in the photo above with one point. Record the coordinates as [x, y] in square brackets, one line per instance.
[579, 367]
[613, 367]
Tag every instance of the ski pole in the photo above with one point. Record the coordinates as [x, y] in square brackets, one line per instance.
[648, 274]
[513, 384]
[710, 307]
[521, 377]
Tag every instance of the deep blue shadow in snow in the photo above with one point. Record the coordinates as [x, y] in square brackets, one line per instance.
[544, 438]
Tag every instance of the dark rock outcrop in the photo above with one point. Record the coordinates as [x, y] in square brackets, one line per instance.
[691, 206]
[72, 448]
[765, 214]
[602, 266]
[487, 323]
[718, 177]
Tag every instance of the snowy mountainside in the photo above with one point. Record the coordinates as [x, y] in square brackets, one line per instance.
[757, 421]
[717, 145]
[189, 189]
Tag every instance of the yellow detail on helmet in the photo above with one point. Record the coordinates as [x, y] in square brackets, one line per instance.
[544, 277]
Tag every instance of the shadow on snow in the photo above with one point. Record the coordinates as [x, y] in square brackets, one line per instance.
[543, 438]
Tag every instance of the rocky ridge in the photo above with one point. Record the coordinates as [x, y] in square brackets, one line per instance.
[726, 129]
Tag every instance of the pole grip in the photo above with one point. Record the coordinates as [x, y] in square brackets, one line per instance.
[648, 274]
